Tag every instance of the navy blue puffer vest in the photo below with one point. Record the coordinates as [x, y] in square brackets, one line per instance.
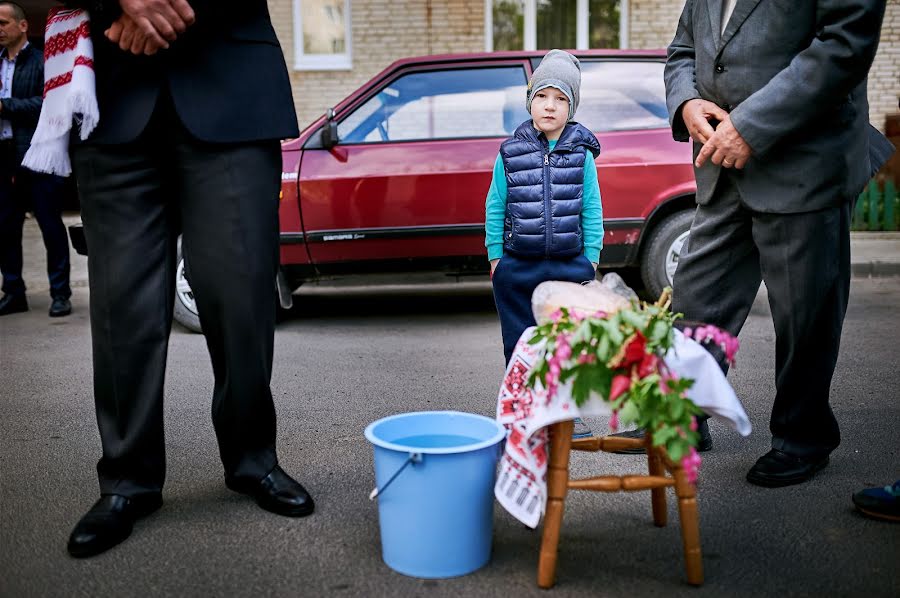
[543, 206]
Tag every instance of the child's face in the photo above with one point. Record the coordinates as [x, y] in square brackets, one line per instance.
[550, 111]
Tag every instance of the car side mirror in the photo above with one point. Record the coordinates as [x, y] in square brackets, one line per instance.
[330, 131]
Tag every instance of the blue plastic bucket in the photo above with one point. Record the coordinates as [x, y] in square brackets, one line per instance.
[435, 472]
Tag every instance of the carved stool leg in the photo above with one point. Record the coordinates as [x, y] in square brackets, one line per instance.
[557, 481]
[690, 527]
[657, 495]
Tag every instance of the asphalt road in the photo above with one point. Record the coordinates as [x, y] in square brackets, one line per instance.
[347, 358]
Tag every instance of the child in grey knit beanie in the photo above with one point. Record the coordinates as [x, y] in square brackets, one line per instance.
[561, 70]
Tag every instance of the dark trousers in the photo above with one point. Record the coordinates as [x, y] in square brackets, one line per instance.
[804, 260]
[514, 281]
[22, 190]
[135, 199]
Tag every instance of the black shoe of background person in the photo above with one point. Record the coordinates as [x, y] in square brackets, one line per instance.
[277, 492]
[109, 522]
[777, 468]
[704, 445]
[12, 304]
[60, 307]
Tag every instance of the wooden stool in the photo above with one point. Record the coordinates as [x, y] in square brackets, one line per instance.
[558, 483]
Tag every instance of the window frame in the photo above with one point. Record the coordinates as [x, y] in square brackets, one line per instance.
[529, 35]
[323, 62]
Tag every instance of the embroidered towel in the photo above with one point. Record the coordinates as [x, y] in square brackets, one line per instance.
[69, 91]
[521, 486]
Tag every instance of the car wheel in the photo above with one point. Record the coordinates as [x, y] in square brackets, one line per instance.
[663, 249]
[185, 305]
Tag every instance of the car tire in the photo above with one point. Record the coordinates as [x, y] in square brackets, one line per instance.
[185, 305]
[660, 255]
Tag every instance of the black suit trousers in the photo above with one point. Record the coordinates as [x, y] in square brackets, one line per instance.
[136, 197]
[22, 190]
[804, 259]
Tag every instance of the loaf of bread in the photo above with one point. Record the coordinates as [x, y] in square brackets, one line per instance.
[608, 295]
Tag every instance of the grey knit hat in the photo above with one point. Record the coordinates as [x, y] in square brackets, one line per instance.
[561, 70]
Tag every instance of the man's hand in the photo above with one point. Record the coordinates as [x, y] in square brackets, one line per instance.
[130, 38]
[158, 22]
[725, 147]
[696, 115]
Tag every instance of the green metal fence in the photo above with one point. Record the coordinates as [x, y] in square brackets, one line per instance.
[877, 207]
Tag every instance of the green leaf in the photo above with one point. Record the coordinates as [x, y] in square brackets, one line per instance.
[677, 449]
[633, 318]
[659, 331]
[628, 413]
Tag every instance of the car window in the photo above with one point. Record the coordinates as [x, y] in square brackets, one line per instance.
[617, 96]
[473, 102]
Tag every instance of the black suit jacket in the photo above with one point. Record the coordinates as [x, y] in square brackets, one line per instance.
[226, 75]
[24, 107]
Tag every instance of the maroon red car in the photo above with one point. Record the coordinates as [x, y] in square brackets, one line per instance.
[394, 177]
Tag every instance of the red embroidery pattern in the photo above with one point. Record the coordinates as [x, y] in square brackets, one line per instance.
[66, 41]
[66, 77]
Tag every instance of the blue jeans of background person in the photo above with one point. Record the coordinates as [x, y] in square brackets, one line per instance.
[514, 281]
[22, 190]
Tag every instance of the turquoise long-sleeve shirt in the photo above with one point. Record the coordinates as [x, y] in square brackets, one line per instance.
[591, 210]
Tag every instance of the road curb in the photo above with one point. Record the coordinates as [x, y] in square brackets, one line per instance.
[875, 269]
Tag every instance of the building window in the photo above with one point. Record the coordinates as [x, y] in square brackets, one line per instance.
[546, 24]
[322, 35]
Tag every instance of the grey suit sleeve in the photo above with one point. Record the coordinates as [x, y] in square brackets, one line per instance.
[679, 73]
[837, 60]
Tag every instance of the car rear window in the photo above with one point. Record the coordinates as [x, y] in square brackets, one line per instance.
[441, 104]
[622, 95]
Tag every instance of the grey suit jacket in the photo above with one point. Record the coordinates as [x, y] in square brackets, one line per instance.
[792, 74]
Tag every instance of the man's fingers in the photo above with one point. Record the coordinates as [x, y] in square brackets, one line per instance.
[705, 152]
[164, 27]
[741, 162]
[704, 129]
[151, 33]
[167, 13]
[151, 48]
[719, 159]
[114, 33]
[138, 43]
[126, 38]
[184, 11]
[714, 111]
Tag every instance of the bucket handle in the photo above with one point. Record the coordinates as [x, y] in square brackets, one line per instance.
[413, 458]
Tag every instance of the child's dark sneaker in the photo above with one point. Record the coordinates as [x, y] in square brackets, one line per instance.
[880, 503]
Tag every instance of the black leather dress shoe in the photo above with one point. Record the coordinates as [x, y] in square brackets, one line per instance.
[109, 522]
[60, 307]
[704, 445]
[277, 492]
[777, 468]
[12, 304]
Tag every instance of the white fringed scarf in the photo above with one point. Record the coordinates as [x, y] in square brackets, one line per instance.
[69, 91]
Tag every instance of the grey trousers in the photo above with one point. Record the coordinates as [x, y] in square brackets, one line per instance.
[804, 260]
